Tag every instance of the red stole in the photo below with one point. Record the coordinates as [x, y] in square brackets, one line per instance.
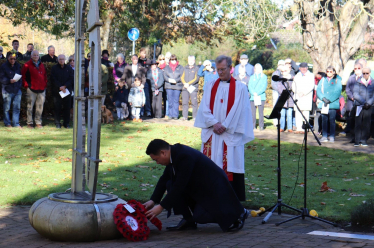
[231, 95]
[207, 149]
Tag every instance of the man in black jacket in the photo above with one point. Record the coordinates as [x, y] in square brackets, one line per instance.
[62, 79]
[196, 188]
[133, 70]
[27, 55]
[15, 45]
[190, 81]
[50, 57]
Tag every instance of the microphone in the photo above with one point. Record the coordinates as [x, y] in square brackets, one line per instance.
[278, 78]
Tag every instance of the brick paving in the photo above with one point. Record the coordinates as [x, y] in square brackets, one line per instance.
[16, 231]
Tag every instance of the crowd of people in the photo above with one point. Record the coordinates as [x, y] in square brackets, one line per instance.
[321, 95]
[152, 88]
[33, 76]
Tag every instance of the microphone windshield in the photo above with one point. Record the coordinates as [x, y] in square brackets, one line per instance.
[275, 78]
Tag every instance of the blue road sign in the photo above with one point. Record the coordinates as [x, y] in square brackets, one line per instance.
[133, 34]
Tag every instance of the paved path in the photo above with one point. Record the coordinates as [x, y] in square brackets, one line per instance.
[15, 231]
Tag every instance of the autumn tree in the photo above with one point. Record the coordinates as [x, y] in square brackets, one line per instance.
[332, 30]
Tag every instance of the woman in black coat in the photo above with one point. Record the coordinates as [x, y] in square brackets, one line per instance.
[11, 90]
[173, 85]
[156, 78]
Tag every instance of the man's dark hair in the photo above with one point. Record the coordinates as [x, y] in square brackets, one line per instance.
[173, 56]
[14, 41]
[155, 146]
[30, 44]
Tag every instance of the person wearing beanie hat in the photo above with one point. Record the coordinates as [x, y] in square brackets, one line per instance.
[105, 59]
[303, 86]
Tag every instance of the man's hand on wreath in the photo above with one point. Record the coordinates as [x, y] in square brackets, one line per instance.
[149, 204]
[156, 210]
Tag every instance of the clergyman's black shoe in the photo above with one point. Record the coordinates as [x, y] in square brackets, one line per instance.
[182, 225]
[240, 222]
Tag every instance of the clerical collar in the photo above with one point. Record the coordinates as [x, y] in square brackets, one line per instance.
[226, 81]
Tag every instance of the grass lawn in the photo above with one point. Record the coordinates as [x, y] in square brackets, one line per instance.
[35, 163]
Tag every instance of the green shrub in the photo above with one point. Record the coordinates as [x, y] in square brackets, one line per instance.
[363, 215]
[293, 51]
[263, 57]
[268, 58]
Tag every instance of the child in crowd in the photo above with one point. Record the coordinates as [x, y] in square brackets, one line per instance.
[136, 100]
[120, 101]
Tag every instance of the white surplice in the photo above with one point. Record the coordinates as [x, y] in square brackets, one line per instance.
[238, 123]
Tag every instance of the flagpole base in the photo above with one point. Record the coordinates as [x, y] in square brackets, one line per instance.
[59, 218]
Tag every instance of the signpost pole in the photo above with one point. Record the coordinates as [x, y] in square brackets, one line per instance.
[133, 35]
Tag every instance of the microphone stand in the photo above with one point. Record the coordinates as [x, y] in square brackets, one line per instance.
[306, 127]
[276, 114]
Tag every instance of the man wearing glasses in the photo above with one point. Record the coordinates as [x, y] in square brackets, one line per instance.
[225, 119]
[11, 90]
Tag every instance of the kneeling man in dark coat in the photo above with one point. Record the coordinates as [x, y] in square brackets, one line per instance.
[196, 188]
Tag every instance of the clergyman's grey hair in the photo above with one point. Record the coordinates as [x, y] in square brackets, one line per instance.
[221, 58]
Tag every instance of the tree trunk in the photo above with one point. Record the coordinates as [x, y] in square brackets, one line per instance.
[330, 40]
[105, 29]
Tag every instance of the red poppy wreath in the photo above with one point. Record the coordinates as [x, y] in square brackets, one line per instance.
[133, 226]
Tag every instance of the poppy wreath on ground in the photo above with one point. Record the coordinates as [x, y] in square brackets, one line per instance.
[133, 226]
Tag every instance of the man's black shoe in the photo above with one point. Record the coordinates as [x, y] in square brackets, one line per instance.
[182, 225]
[352, 141]
[240, 222]
[58, 125]
[66, 126]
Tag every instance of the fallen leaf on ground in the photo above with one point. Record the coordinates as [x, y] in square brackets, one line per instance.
[323, 203]
[142, 166]
[324, 187]
[354, 194]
